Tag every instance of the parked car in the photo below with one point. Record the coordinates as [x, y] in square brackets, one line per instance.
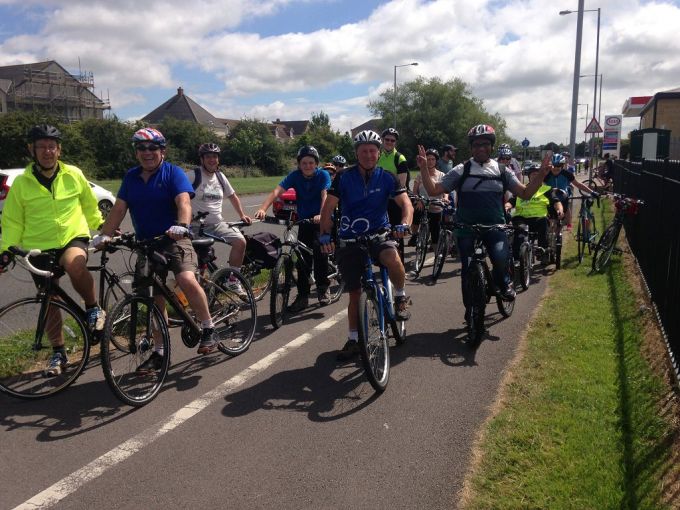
[105, 198]
[284, 204]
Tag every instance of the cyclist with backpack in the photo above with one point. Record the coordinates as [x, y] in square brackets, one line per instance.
[310, 183]
[211, 187]
[560, 178]
[480, 184]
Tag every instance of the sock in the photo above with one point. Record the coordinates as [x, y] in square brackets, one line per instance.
[160, 350]
[353, 335]
[399, 292]
[207, 324]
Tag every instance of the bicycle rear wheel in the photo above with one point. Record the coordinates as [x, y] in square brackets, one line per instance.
[282, 283]
[259, 280]
[605, 248]
[440, 252]
[398, 327]
[25, 348]
[127, 346]
[582, 235]
[121, 286]
[233, 310]
[476, 285]
[373, 346]
[421, 246]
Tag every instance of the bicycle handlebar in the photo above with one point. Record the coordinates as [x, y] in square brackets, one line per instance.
[24, 256]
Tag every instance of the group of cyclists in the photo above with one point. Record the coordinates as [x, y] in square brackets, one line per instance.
[51, 207]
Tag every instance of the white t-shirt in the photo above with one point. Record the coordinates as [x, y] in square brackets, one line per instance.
[419, 189]
[209, 195]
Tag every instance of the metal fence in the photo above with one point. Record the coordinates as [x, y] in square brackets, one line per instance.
[654, 237]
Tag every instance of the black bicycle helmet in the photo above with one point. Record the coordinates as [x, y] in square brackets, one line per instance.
[308, 150]
[42, 132]
[433, 152]
[208, 148]
[390, 131]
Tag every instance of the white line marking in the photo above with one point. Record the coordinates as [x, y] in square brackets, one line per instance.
[97, 467]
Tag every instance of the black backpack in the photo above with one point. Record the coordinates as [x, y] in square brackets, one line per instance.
[466, 174]
[198, 178]
[264, 248]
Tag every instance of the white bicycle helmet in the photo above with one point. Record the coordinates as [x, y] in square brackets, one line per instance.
[367, 136]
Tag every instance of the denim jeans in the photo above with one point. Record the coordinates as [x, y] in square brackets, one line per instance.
[496, 243]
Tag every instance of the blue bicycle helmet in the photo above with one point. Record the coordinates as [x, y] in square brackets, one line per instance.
[148, 135]
[558, 160]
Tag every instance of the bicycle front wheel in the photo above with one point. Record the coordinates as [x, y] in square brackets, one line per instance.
[398, 327]
[524, 265]
[421, 246]
[476, 291]
[605, 248]
[440, 252]
[233, 310]
[373, 346]
[282, 283]
[26, 348]
[134, 371]
[337, 284]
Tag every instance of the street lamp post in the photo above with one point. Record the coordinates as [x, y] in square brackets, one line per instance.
[577, 72]
[599, 99]
[394, 120]
[597, 56]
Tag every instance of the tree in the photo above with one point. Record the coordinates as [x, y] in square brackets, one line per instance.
[432, 113]
[109, 140]
[184, 138]
[13, 130]
[252, 143]
[320, 135]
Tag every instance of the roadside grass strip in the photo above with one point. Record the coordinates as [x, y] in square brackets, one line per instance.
[583, 420]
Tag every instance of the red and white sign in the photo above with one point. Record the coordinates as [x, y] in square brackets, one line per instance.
[594, 127]
[612, 136]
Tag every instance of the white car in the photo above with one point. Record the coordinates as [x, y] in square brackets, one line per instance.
[105, 198]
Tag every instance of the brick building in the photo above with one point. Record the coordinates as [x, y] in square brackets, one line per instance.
[663, 112]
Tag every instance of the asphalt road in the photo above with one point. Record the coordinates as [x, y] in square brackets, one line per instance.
[284, 425]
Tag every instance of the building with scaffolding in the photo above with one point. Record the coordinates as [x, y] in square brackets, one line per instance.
[48, 87]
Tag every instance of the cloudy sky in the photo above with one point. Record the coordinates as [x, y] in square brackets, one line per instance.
[286, 59]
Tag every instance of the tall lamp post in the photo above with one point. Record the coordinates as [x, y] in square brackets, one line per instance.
[599, 102]
[394, 120]
[577, 72]
[578, 49]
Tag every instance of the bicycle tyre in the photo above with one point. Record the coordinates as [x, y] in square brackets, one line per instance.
[591, 184]
[234, 313]
[581, 239]
[398, 327]
[476, 284]
[373, 346]
[126, 325]
[337, 284]
[421, 246]
[524, 269]
[592, 232]
[605, 248]
[122, 286]
[22, 368]
[558, 254]
[279, 297]
[507, 306]
[440, 252]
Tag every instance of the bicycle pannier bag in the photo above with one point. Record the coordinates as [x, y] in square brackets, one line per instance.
[264, 248]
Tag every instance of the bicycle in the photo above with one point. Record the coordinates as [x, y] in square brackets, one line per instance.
[606, 246]
[586, 231]
[599, 183]
[480, 287]
[376, 311]
[285, 273]
[24, 351]
[446, 242]
[423, 235]
[136, 321]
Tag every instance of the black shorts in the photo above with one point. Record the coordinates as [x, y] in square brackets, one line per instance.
[351, 260]
[48, 260]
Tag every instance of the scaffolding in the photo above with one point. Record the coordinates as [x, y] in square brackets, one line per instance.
[66, 96]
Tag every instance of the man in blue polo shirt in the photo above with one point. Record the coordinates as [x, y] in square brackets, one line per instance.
[158, 195]
[310, 183]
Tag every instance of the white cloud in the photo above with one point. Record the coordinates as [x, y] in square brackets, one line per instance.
[517, 55]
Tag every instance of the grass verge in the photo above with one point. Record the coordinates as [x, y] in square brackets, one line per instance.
[585, 420]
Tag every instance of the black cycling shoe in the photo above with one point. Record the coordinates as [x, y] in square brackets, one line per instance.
[348, 351]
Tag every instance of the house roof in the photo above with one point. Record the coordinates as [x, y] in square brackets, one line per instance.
[373, 125]
[182, 107]
[667, 94]
[298, 127]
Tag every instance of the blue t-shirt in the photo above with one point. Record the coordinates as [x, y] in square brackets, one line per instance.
[561, 181]
[307, 190]
[152, 204]
[363, 204]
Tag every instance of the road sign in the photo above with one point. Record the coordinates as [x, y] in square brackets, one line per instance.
[593, 127]
[525, 143]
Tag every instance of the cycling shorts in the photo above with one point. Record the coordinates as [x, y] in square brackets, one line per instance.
[351, 260]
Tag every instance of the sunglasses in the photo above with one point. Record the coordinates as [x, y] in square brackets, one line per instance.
[152, 147]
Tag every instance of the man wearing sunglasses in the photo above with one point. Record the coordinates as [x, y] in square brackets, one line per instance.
[158, 195]
[480, 185]
[51, 207]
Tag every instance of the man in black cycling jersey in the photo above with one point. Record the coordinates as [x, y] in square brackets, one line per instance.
[480, 184]
[363, 191]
